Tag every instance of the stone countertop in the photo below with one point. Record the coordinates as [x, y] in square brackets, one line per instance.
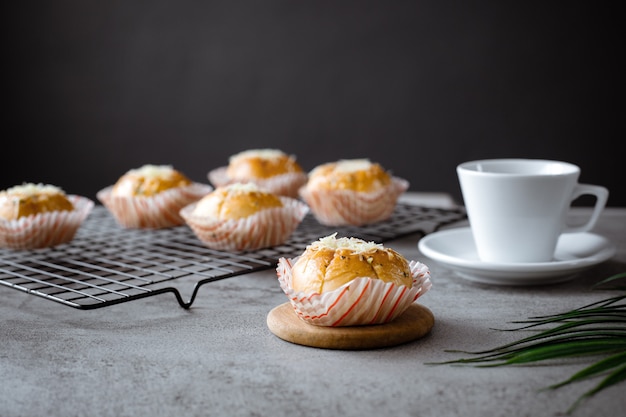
[150, 357]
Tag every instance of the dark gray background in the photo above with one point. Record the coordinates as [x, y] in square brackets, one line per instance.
[95, 88]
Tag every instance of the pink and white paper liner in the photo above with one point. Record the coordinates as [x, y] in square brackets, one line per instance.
[154, 212]
[45, 229]
[352, 208]
[362, 301]
[263, 229]
[285, 184]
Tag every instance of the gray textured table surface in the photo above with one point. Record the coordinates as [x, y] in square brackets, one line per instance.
[151, 357]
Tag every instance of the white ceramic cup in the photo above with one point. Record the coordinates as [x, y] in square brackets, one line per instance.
[517, 208]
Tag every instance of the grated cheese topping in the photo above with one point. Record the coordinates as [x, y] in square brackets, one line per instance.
[246, 187]
[257, 153]
[31, 189]
[355, 244]
[352, 165]
[152, 171]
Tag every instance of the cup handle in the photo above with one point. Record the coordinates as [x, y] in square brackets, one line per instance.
[601, 194]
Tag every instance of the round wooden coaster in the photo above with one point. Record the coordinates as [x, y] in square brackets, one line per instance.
[415, 322]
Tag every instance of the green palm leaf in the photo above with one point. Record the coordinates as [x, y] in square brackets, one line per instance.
[594, 330]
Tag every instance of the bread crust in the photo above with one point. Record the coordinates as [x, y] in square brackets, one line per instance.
[320, 269]
[235, 202]
[261, 164]
[145, 182]
[362, 176]
[30, 200]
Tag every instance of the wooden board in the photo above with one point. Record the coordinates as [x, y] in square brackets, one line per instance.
[414, 323]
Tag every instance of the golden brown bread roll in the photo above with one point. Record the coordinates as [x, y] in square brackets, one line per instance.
[329, 263]
[360, 175]
[148, 181]
[236, 201]
[260, 164]
[30, 199]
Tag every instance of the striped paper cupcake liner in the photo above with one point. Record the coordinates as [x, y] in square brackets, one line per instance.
[352, 208]
[153, 212]
[45, 229]
[263, 229]
[362, 301]
[284, 184]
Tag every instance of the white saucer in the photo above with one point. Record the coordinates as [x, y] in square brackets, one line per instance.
[575, 252]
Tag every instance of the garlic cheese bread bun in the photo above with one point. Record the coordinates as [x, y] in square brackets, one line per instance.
[29, 199]
[359, 175]
[270, 169]
[352, 192]
[329, 263]
[243, 216]
[236, 201]
[148, 181]
[151, 197]
[36, 216]
[261, 164]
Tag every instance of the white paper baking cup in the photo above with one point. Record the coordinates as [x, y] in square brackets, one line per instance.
[45, 229]
[263, 229]
[284, 184]
[154, 212]
[362, 301]
[353, 208]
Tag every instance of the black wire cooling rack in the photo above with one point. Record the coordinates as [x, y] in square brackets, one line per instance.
[105, 264]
